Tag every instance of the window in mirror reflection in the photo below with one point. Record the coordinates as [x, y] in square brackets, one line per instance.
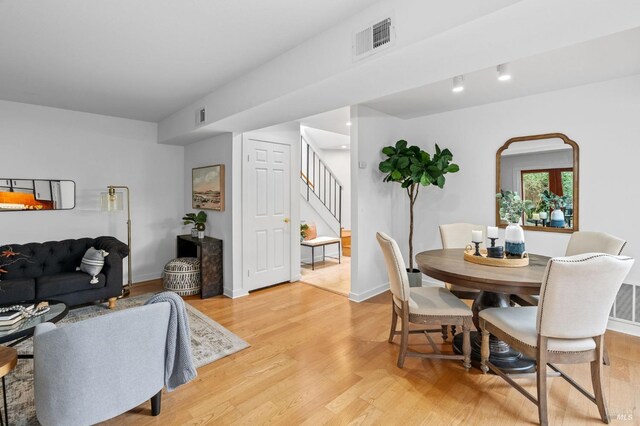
[548, 190]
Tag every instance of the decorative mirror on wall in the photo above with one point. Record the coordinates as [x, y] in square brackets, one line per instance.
[542, 169]
[36, 194]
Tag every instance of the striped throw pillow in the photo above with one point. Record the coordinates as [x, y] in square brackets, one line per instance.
[92, 263]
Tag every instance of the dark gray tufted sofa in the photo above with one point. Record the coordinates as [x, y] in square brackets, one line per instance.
[48, 271]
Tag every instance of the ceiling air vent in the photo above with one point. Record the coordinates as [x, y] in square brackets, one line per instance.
[373, 39]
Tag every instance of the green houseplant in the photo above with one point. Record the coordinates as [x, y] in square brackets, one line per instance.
[303, 231]
[511, 209]
[199, 221]
[411, 167]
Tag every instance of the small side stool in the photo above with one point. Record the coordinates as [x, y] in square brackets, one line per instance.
[8, 361]
[182, 276]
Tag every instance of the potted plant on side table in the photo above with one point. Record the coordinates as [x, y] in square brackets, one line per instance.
[411, 167]
[199, 221]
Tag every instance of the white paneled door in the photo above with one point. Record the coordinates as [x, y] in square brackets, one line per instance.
[267, 227]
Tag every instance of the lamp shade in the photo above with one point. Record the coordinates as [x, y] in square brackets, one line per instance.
[111, 202]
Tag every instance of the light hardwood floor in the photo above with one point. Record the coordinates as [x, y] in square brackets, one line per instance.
[317, 358]
[330, 275]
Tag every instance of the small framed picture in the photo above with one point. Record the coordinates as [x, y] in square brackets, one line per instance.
[207, 188]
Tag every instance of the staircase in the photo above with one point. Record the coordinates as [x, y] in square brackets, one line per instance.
[320, 187]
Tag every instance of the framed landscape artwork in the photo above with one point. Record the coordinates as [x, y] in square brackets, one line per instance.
[207, 188]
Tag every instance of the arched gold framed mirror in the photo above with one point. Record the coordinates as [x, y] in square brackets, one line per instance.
[543, 169]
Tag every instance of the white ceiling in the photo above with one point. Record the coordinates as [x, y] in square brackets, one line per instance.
[325, 139]
[332, 121]
[145, 59]
[605, 58]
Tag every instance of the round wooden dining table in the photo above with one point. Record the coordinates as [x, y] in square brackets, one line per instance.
[496, 285]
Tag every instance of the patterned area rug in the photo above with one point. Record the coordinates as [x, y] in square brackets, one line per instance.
[209, 342]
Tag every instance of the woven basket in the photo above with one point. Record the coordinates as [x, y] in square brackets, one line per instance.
[182, 276]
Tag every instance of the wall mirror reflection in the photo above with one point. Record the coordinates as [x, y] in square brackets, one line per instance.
[543, 170]
[36, 194]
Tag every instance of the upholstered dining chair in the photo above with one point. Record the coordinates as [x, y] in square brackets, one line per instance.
[458, 235]
[582, 242]
[568, 325]
[422, 305]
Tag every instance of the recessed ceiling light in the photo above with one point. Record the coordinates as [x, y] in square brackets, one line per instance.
[504, 72]
[344, 147]
[458, 84]
[348, 123]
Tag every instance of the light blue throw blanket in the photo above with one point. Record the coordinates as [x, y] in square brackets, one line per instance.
[179, 368]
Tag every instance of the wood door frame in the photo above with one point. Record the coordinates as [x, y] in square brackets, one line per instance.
[294, 213]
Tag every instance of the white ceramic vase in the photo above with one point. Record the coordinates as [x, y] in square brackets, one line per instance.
[514, 240]
[557, 218]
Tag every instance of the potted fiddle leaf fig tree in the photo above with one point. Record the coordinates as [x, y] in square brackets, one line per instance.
[411, 167]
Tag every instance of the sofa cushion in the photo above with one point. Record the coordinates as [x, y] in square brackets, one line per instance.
[50, 286]
[17, 290]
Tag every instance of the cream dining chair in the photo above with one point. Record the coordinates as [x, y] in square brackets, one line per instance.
[568, 325]
[422, 305]
[456, 236]
[579, 243]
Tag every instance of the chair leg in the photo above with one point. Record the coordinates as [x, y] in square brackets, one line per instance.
[394, 323]
[466, 345]
[484, 348]
[596, 380]
[155, 403]
[405, 338]
[605, 355]
[445, 332]
[541, 373]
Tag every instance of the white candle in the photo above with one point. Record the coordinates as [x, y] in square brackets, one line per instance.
[476, 236]
[492, 232]
[536, 216]
[543, 215]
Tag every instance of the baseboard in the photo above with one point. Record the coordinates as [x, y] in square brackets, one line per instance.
[623, 327]
[146, 277]
[234, 294]
[369, 293]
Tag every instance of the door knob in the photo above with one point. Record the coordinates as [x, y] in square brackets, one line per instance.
[286, 220]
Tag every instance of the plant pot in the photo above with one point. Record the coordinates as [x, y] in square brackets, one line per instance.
[201, 234]
[194, 232]
[415, 278]
[514, 240]
[557, 218]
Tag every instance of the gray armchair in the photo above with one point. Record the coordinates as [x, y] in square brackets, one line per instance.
[96, 369]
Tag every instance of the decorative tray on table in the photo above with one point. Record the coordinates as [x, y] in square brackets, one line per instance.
[504, 262]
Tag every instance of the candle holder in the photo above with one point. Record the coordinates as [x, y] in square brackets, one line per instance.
[477, 253]
[493, 242]
[544, 222]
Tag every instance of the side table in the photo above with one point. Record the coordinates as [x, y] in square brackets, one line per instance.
[209, 251]
[8, 361]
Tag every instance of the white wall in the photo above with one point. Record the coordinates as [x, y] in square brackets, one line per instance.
[216, 150]
[602, 118]
[94, 151]
[339, 161]
[377, 205]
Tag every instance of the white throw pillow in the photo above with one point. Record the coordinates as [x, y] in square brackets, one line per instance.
[92, 263]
